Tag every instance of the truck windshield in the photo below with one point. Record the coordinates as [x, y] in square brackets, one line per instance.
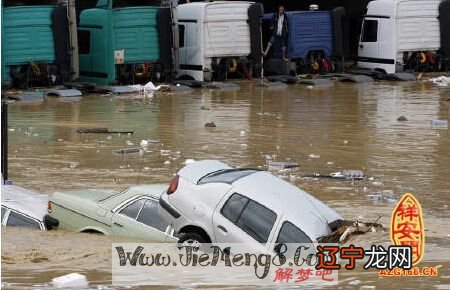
[7, 3]
[134, 3]
[227, 175]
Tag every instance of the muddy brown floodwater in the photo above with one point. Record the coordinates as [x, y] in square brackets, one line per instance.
[325, 129]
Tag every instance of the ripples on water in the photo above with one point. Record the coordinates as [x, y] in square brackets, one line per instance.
[325, 129]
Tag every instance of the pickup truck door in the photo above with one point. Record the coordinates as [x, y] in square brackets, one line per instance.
[139, 218]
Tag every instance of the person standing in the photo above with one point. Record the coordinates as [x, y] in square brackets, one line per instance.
[279, 27]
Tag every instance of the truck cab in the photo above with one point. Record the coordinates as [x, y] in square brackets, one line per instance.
[217, 38]
[314, 40]
[36, 46]
[125, 41]
[377, 42]
[400, 35]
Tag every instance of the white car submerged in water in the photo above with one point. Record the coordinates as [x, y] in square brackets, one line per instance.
[25, 208]
[210, 202]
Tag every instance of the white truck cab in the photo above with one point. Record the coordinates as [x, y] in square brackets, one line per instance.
[399, 33]
[211, 34]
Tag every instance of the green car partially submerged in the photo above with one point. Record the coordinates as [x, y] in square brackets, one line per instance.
[132, 212]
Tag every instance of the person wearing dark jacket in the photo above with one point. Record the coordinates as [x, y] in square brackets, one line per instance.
[279, 27]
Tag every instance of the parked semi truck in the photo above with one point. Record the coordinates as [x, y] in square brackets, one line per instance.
[38, 43]
[315, 40]
[125, 42]
[402, 35]
[218, 38]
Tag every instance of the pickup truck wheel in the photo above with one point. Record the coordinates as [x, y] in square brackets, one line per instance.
[192, 239]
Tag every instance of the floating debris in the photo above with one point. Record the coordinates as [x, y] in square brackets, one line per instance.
[384, 196]
[147, 142]
[346, 229]
[314, 156]
[210, 125]
[439, 124]
[348, 174]
[402, 119]
[27, 96]
[189, 83]
[204, 108]
[357, 79]
[149, 88]
[103, 131]
[65, 93]
[223, 86]
[129, 150]
[167, 162]
[73, 280]
[73, 165]
[315, 82]
[344, 174]
[441, 81]
[276, 165]
[288, 79]
[165, 152]
[401, 77]
[354, 282]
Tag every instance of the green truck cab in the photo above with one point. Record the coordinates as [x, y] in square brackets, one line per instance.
[124, 41]
[36, 47]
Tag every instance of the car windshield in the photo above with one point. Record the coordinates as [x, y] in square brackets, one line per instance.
[227, 175]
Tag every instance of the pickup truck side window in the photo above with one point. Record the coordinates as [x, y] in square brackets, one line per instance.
[133, 209]
[291, 234]
[253, 218]
[18, 220]
[149, 216]
[370, 31]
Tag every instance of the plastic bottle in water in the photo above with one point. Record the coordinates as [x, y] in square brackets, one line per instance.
[439, 124]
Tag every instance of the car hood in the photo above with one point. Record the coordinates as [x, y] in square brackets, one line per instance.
[198, 169]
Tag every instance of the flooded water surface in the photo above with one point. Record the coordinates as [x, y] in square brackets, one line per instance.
[325, 129]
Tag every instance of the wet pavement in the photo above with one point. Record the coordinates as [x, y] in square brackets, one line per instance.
[324, 128]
